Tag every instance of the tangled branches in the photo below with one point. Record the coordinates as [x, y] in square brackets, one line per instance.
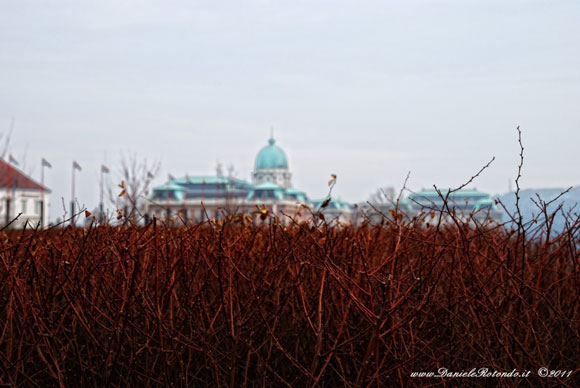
[242, 305]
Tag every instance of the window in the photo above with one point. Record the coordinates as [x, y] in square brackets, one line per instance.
[38, 207]
[24, 202]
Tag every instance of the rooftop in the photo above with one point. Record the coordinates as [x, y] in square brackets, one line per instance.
[271, 156]
[12, 177]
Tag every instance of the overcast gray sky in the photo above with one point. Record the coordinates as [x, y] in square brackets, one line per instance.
[365, 89]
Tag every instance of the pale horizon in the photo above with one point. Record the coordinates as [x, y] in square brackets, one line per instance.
[368, 91]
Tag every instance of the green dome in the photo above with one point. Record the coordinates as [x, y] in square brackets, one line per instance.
[271, 156]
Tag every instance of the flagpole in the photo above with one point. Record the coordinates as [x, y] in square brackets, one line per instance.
[101, 206]
[202, 198]
[185, 200]
[72, 202]
[215, 198]
[42, 194]
[8, 187]
[10, 193]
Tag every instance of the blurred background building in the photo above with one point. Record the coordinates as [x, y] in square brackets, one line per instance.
[23, 201]
[469, 205]
[197, 198]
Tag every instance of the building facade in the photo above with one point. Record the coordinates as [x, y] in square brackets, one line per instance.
[194, 199]
[23, 201]
[470, 205]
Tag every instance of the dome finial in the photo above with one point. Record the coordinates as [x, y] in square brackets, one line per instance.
[271, 141]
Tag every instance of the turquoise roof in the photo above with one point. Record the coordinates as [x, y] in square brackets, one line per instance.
[209, 179]
[297, 194]
[267, 190]
[201, 178]
[431, 193]
[271, 156]
[485, 203]
[171, 185]
[474, 197]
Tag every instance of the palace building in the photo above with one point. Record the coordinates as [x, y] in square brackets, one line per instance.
[468, 205]
[197, 198]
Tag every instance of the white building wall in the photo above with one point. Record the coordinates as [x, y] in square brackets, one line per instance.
[26, 202]
[279, 176]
